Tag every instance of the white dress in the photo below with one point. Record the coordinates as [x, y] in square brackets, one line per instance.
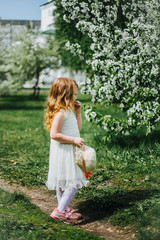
[63, 171]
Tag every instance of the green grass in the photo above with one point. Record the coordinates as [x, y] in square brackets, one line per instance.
[24, 140]
[20, 219]
[125, 185]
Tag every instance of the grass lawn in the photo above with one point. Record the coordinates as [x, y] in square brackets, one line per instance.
[125, 185]
[20, 219]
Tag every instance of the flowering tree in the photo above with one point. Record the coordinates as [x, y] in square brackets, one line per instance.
[64, 31]
[5, 87]
[122, 60]
[28, 57]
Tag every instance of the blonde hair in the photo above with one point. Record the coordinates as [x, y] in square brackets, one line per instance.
[61, 97]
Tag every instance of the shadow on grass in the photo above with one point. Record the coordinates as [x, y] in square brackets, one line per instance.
[134, 140]
[105, 206]
[25, 102]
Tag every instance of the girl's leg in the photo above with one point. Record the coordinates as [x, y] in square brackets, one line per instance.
[66, 198]
[59, 193]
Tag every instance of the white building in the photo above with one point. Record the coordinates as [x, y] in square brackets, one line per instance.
[47, 26]
[47, 19]
[12, 28]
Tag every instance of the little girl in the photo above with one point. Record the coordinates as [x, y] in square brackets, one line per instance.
[64, 122]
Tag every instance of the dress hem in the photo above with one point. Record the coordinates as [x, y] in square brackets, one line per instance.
[78, 185]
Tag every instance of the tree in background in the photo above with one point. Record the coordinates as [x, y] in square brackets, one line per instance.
[5, 86]
[28, 57]
[65, 31]
[123, 57]
[2, 52]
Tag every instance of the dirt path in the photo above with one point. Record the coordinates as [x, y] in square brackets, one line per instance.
[46, 201]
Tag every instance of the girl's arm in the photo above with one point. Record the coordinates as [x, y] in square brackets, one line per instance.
[79, 120]
[77, 108]
[56, 134]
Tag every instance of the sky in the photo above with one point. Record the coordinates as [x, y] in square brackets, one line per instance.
[21, 9]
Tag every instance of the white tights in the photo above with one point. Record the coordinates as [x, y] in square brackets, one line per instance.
[65, 197]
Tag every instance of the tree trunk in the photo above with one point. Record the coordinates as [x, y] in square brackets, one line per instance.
[36, 89]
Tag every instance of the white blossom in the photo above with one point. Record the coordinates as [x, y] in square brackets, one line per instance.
[125, 62]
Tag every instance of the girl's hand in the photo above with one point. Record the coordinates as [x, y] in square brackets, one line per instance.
[78, 141]
[77, 107]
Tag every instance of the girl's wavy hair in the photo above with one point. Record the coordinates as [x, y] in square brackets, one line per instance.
[61, 97]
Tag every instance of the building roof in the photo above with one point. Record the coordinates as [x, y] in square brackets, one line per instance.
[47, 3]
[49, 32]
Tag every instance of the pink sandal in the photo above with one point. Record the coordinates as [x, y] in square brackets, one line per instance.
[68, 218]
[72, 214]
[56, 214]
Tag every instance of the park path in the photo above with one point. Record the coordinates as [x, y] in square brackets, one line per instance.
[46, 201]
